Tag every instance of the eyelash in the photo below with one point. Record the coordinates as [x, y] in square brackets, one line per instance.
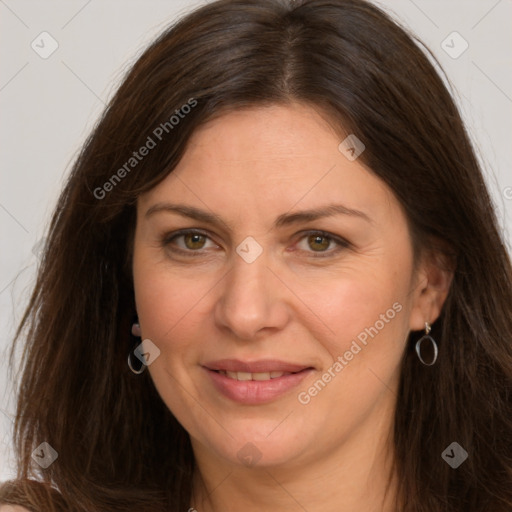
[341, 243]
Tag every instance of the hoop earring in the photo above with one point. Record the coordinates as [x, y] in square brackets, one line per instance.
[432, 342]
[136, 333]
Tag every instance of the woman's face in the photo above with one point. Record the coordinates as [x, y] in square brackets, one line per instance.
[270, 255]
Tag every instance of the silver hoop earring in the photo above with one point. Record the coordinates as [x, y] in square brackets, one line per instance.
[137, 372]
[137, 335]
[426, 337]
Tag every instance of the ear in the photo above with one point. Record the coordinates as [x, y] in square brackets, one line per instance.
[432, 282]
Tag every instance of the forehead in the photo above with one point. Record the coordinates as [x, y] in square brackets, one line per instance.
[270, 159]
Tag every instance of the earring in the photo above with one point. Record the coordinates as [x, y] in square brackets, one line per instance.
[137, 334]
[426, 337]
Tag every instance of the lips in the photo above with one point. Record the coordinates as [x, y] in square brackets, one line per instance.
[257, 382]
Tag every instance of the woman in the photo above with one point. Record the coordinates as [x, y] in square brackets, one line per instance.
[281, 223]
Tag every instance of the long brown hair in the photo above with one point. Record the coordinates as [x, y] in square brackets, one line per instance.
[119, 446]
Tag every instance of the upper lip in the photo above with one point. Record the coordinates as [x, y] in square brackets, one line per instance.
[261, 366]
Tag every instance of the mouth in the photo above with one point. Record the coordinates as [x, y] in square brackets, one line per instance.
[245, 376]
[255, 367]
[253, 383]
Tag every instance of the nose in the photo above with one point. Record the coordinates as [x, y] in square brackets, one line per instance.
[252, 300]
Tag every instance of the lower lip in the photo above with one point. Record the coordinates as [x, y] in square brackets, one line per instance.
[254, 392]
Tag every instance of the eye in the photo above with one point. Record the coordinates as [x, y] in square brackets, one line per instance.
[321, 242]
[189, 241]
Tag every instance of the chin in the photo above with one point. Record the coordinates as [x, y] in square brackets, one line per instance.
[257, 448]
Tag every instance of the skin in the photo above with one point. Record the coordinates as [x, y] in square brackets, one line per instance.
[299, 301]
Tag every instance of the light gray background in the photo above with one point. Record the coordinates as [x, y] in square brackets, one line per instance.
[48, 106]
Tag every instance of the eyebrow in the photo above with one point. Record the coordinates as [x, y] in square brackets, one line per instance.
[285, 219]
[318, 213]
[187, 211]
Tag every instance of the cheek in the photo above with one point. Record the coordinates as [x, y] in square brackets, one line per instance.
[367, 318]
[167, 304]
[170, 310]
[366, 303]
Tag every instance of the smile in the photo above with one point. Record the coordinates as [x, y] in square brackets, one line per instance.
[257, 382]
[253, 376]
